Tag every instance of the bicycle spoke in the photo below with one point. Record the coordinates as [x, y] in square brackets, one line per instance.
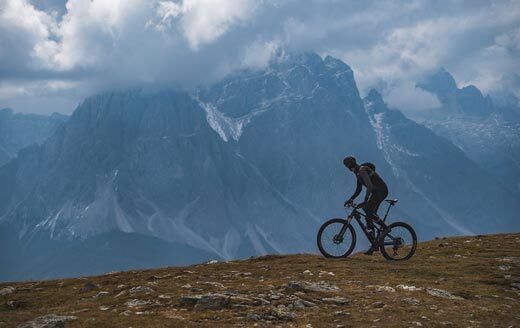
[333, 244]
[399, 242]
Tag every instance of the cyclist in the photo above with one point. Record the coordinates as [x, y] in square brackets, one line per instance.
[376, 192]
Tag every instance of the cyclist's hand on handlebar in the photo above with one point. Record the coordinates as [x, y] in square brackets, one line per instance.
[348, 203]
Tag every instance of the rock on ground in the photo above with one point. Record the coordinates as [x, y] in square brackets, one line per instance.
[48, 321]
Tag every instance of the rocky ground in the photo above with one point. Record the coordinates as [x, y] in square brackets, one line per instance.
[450, 282]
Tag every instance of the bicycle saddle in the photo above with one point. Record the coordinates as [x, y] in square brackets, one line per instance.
[391, 201]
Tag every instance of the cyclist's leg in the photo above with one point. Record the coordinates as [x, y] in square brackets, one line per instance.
[375, 201]
[369, 207]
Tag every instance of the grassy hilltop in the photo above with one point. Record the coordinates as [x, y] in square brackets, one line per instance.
[458, 282]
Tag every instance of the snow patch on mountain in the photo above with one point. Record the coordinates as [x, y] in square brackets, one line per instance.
[227, 127]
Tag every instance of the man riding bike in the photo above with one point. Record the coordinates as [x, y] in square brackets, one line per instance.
[375, 194]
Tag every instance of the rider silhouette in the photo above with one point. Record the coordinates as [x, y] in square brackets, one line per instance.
[376, 191]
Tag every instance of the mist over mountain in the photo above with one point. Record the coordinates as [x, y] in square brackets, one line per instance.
[19, 130]
[250, 165]
[488, 131]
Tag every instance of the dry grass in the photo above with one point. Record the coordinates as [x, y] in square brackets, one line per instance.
[467, 267]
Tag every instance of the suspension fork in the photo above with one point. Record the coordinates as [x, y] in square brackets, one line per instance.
[345, 226]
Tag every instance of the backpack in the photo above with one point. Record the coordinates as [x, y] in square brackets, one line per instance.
[370, 165]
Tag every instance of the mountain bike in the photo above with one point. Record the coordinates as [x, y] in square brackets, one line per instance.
[396, 241]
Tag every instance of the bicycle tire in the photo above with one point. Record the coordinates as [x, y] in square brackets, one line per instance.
[350, 231]
[386, 233]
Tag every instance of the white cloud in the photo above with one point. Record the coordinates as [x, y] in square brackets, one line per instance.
[102, 44]
[206, 20]
[408, 98]
[258, 54]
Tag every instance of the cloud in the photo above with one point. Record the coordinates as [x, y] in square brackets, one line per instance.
[408, 98]
[107, 44]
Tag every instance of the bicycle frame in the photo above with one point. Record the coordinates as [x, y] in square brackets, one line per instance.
[355, 214]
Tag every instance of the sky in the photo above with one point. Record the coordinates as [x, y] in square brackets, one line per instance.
[54, 53]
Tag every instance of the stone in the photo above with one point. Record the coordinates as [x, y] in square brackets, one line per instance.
[121, 293]
[326, 273]
[141, 290]
[7, 290]
[442, 293]
[262, 300]
[189, 300]
[136, 303]
[303, 286]
[212, 302]
[336, 300]
[165, 297]
[504, 267]
[411, 301]
[206, 301]
[104, 308]
[48, 321]
[101, 293]
[385, 289]
[409, 288]
[253, 317]
[283, 313]
[378, 305]
[515, 285]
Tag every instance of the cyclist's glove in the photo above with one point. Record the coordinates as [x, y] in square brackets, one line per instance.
[348, 202]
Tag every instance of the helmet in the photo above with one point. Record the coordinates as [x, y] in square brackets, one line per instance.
[349, 161]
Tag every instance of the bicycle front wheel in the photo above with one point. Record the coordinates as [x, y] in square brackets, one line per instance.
[336, 239]
[398, 242]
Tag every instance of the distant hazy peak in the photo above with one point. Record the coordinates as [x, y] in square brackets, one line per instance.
[468, 100]
[440, 83]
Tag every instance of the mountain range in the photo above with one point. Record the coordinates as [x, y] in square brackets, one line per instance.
[250, 165]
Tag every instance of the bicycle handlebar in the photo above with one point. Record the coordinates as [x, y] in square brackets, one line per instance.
[354, 205]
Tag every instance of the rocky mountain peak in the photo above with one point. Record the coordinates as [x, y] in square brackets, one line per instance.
[465, 101]
[440, 83]
[374, 102]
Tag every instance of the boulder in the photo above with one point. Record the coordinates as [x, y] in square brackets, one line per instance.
[48, 321]
[7, 290]
[336, 300]
[303, 286]
[442, 293]
[141, 290]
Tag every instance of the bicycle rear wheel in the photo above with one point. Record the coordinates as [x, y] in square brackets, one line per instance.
[398, 242]
[332, 243]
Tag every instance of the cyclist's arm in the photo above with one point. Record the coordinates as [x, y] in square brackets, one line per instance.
[358, 189]
[366, 179]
